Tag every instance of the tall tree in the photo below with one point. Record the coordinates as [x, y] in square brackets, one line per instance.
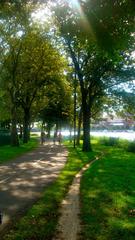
[29, 63]
[95, 33]
[14, 18]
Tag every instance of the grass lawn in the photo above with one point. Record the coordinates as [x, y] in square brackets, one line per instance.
[108, 197]
[41, 220]
[7, 152]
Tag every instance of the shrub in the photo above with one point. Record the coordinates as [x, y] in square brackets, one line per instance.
[5, 138]
[111, 141]
[131, 147]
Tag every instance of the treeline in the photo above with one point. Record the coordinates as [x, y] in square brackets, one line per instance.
[83, 50]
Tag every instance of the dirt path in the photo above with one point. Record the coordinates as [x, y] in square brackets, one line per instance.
[22, 180]
[69, 225]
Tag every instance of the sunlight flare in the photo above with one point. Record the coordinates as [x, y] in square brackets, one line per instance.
[42, 14]
[78, 7]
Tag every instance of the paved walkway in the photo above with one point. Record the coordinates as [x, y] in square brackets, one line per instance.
[22, 180]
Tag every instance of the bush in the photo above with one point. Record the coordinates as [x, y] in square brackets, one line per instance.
[111, 141]
[131, 147]
[5, 137]
[124, 144]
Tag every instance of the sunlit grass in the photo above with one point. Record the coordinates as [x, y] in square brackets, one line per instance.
[7, 152]
[108, 197]
[41, 220]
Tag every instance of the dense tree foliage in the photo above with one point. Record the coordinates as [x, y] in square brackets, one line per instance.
[58, 105]
[96, 34]
[29, 64]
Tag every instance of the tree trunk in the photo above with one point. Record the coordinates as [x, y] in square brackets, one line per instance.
[85, 100]
[21, 131]
[70, 133]
[48, 130]
[14, 135]
[79, 127]
[49, 133]
[26, 124]
[57, 128]
[86, 125]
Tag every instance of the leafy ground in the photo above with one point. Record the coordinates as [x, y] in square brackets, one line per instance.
[108, 197]
[7, 152]
[41, 220]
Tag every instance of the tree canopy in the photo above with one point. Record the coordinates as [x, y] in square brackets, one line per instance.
[30, 63]
[97, 34]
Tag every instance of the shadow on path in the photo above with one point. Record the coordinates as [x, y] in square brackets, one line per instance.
[23, 179]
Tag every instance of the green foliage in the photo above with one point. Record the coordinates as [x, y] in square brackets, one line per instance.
[131, 147]
[126, 103]
[97, 34]
[58, 103]
[4, 103]
[111, 141]
[5, 137]
[30, 61]
[126, 145]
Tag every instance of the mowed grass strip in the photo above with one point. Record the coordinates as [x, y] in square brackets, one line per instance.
[108, 197]
[7, 152]
[41, 220]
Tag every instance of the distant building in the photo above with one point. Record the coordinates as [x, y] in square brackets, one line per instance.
[113, 123]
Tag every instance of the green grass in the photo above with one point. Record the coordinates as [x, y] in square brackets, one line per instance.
[7, 152]
[41, 220]
[108, 197]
